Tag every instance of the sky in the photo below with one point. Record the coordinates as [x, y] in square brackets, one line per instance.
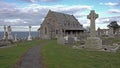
[22, 13]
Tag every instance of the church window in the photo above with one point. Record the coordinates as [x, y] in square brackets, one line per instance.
[68, 24]
[64, 24]
[53, 20]
[73, 24]
[56, 31]
[45, 30]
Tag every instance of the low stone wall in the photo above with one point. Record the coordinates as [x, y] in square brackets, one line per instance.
[109, 41]
[4, 43]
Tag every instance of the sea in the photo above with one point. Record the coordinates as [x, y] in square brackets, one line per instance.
[21, 34]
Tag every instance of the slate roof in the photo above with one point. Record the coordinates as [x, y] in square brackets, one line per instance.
[66, 21]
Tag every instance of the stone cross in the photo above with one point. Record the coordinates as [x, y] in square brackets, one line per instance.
[92, 16]
[30, 30]
[29, 36]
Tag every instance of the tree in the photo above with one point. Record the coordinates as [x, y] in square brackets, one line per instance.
[113, 25]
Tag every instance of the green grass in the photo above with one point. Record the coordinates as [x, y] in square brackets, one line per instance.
[10, 56]
[62, 56]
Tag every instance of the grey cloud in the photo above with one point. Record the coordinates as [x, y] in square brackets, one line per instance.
[32, 1]
[31, 18]
[33, 14]
[7, 5]
[109, 19]
[49, 0]
[113, 11]
[105, 20]
[74, 10]
[113, 4]
[24, 17]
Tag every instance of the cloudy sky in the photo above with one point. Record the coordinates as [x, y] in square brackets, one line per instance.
[21, 13]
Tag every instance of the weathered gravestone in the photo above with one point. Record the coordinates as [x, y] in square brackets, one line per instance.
[93, 42]
[65, 39]
[61, 40]
[5, 29]
[7, 38]
[71, 40]
[15, 38]
[29, 36]
[9, 31]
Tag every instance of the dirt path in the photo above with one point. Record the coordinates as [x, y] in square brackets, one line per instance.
[31, 59]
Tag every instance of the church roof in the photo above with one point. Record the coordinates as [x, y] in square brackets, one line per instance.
[66, 21]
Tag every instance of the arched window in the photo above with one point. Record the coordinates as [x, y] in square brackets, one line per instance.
[73, 24]
[68, 24]
[45, 30]
[64, 23]
[56, 31]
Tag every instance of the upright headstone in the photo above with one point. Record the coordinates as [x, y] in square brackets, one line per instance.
[93, 42]
[110, 32]
[71, 38]
[9, 32]
[4, 36]
[7, 39]
[15, 38]
[29, 36]
[60, 39]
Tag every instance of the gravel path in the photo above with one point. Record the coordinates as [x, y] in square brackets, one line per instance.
[31, 59]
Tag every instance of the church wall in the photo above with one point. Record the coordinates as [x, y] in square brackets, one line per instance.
[44, 32]
[51, 24]
[55, 27]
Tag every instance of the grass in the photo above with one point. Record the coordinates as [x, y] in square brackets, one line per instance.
[62, 56]
[9, 56]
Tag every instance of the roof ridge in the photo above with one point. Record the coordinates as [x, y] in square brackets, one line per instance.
[60, 12]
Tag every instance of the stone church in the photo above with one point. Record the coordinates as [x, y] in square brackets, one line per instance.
[58, 24]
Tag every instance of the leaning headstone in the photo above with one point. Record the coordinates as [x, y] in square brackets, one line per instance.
[93, 42]
[29, 36]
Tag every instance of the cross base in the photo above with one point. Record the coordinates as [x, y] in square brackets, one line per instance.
[29, 38]
[93, 43]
